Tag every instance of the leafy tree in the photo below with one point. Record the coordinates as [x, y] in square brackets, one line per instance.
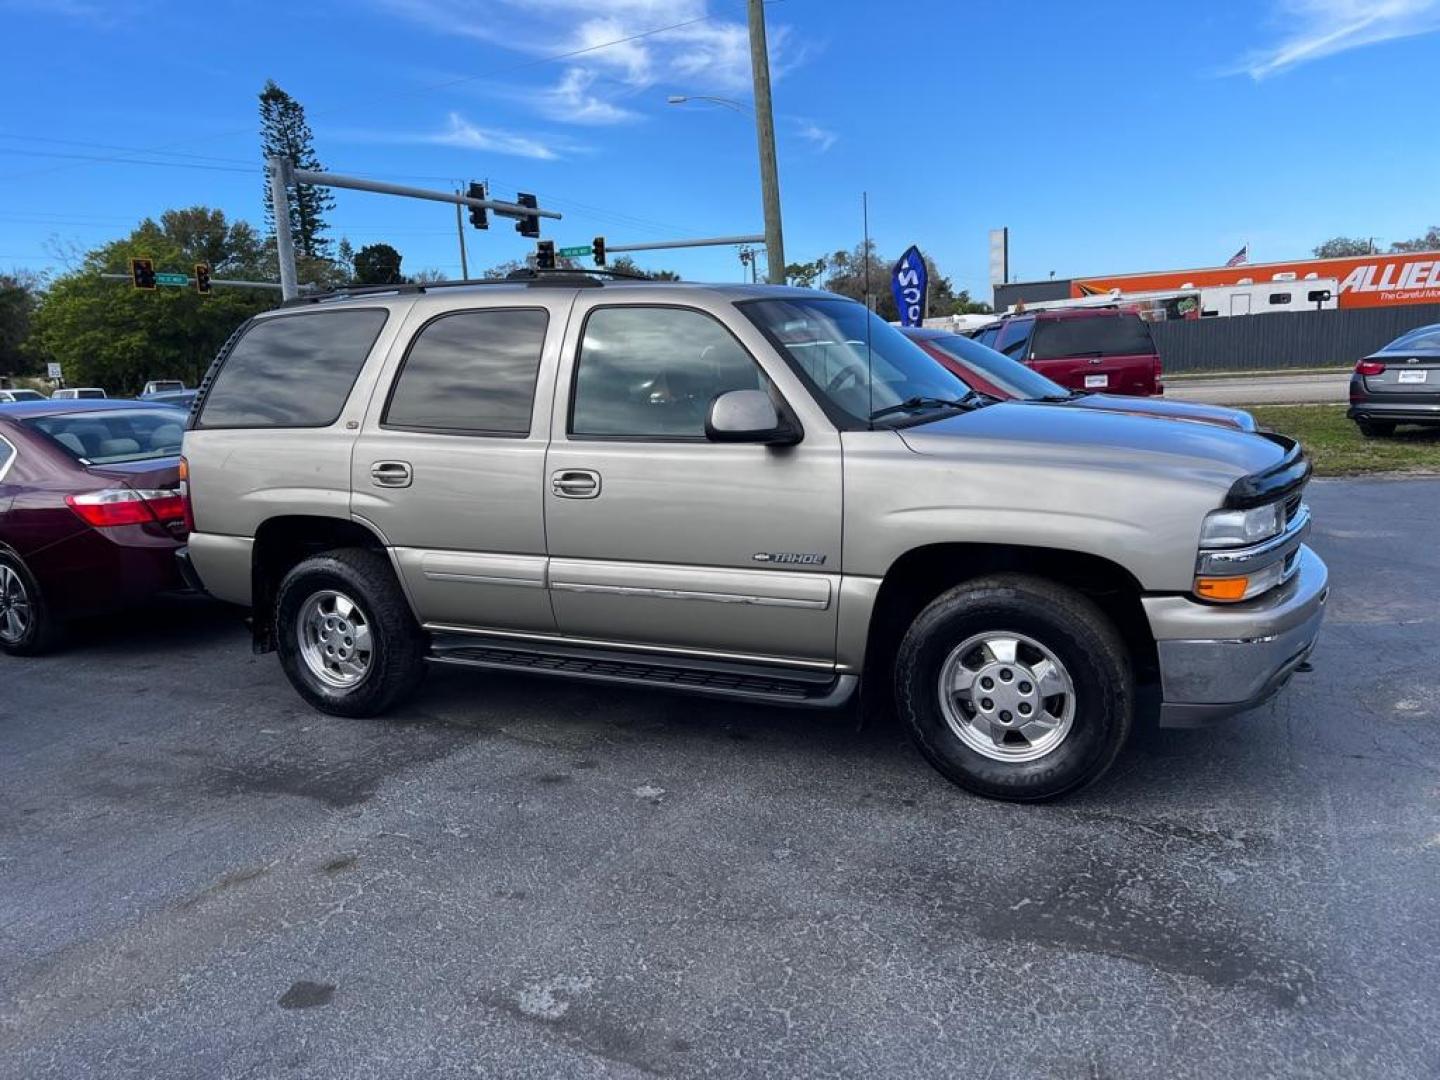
[1339, 247]
[1429, 242]
[19, 295]
[378, 264]
[285, 133]
[806, 274]
[108, 334]
[624, 264]
[425, 277]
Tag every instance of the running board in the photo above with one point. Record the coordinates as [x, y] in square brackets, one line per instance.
[750, 682]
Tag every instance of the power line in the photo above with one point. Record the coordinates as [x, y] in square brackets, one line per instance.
[538, 61]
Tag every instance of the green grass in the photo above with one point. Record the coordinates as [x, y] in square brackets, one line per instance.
[1337, 448]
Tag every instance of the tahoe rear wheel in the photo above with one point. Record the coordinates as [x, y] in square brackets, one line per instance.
[345, 634]
[1015, 687]
[1372, 429]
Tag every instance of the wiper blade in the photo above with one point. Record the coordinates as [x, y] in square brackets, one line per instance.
[971, 400]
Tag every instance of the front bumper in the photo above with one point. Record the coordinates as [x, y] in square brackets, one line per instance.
[1217, 660]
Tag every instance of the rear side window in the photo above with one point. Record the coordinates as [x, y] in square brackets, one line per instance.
[1014, 337]
[292, 370]
[988, 335]
[104, 438]
[1123, 335]
[471, 372]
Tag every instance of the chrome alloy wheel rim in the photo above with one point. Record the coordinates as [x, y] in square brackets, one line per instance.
[1006, 696]
[14, 606]
[335, 639]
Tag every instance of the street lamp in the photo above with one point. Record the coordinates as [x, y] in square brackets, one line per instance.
[735, 106]
[765, 136]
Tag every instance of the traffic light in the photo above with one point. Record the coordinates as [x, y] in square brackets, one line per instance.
[529, 225]
[545, 255]
[597, 249]
[142, 274]
[478, 217]
[202, 278]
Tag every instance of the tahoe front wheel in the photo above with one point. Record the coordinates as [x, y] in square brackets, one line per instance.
[345, 634]
[1015, 687]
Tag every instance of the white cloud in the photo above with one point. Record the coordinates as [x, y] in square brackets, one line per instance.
[1320, 28]
[822, 138]
[710, 53]
[462, 134]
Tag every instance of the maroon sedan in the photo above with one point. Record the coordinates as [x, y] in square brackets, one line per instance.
[90, 512]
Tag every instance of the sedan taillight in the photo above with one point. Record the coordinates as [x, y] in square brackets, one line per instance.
[1369, 367]
[126, 506]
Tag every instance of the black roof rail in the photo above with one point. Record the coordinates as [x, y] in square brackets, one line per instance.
[531, 276]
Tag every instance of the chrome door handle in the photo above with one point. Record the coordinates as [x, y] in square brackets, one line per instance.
[575, 483]
[391, 474]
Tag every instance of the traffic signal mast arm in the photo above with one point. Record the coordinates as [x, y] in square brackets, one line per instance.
[504, 209]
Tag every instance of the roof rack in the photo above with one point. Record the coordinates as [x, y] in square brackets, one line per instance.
[530, 276]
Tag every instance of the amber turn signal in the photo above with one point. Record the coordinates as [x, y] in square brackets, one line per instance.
[1222, 588]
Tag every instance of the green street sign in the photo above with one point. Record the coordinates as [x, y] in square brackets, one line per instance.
[179, 280]
[574, 251]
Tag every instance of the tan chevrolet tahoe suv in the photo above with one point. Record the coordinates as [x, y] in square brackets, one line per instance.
[757, 492]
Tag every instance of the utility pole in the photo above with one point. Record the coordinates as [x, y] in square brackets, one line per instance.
[460, 232]
[765, 133]
[279, 170]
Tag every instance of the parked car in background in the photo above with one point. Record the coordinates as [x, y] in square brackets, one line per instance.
[181, 399]
[77, 393]
[1107, 349]
[983, 369]
[161, 386]
[1399, 384]
[755, 492]
[90, 513]
[8, 397]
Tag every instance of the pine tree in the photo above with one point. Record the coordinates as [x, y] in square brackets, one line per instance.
[284, 133]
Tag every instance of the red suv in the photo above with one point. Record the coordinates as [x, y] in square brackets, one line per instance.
[1097, 349]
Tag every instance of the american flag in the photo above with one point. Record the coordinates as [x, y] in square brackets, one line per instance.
[1241, 256]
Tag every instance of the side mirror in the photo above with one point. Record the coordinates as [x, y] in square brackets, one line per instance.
[748, 416]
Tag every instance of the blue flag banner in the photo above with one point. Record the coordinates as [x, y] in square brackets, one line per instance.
[909, 281]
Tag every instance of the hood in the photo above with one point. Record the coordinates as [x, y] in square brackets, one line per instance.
[1169, 409]
[1133, 441]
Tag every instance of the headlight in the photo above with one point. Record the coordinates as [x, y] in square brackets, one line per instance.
[1241, 528]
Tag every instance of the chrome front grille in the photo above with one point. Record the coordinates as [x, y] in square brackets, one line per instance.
[1292, 507]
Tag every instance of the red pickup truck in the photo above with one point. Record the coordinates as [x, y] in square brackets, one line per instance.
[1108, 350]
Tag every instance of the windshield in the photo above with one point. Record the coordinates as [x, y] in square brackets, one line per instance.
[1011, 376]
[1120, 334]
[105, 438]
[825, 341]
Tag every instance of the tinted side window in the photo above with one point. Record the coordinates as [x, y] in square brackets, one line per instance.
[471, 372]
[292, 370]
[1014, 337]
[988, 336]
[652, 372]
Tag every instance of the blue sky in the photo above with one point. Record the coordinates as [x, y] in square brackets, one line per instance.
[1109, 138]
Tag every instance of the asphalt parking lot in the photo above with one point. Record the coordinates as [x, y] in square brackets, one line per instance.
[201, 877]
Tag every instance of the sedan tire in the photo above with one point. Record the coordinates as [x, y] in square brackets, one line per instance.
[27, 626]
[1015, 687]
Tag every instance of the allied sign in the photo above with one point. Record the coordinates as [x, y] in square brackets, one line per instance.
[174, 280]
[1379, 280]
[909, 281]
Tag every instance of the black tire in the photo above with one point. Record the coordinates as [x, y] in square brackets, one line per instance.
[1375, 429]
[43, 630]
[1067, 624]
[396, 663]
